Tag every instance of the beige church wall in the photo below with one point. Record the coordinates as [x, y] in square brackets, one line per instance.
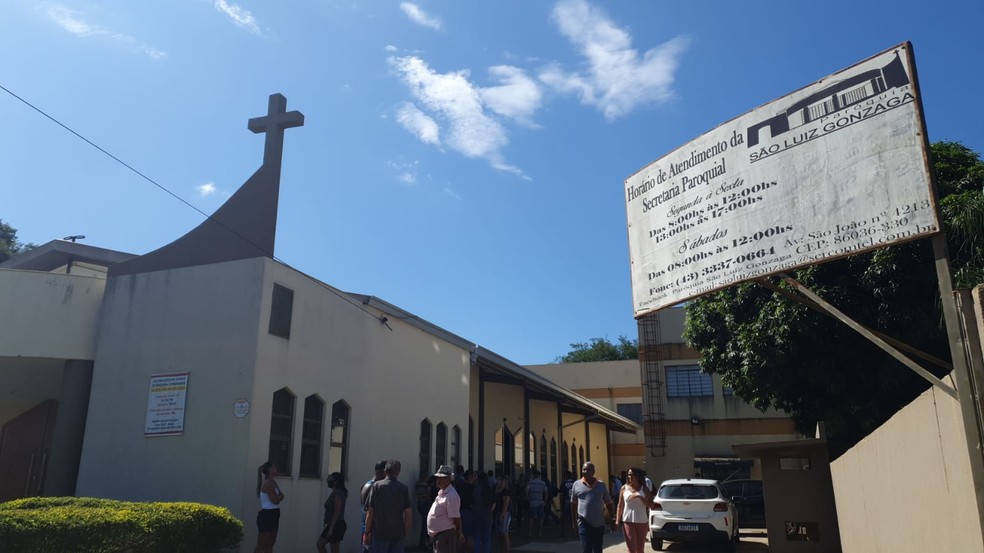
[65, 306]
[392, 376]
[200, 320]
[916, 462]
[508, 405]
[543, 421]
[26, 383]
[599, 450]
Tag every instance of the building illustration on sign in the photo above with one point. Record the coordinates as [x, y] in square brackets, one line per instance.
[836, 97]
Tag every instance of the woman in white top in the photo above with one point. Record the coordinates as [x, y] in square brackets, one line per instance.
[634, 502]
[268, 519]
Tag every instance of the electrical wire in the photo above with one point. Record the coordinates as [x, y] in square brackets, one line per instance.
[208, 217]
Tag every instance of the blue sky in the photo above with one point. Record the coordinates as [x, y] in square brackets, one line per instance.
[462, 160]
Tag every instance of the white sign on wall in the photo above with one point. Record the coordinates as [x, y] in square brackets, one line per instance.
[166, 404]
[836, 168]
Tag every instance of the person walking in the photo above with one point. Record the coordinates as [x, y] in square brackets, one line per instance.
[444, 517]
[268, 519]
[334, 529]
[503, 517]
[536, 493]
[483, 503]
[589, 499]
[390, 514]
[565, 501]
[424, 491]
[379, 473]
[634, 503]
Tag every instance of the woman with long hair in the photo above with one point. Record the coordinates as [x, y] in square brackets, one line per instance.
[334, 529]
[634, 501]
[268, 519]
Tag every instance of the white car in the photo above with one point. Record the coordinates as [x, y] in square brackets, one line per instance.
[692, 510]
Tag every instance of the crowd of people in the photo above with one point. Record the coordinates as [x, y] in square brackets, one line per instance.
[466, 511]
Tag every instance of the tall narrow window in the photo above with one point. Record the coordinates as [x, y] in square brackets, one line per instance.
[425, 447]
[314, 415]
[518, 455]
[580, 455]
[281, 424]
[441, 452]
[543, 456]
[338, 452]
[471, 441]
[281, 311]
[565, 458]
[531, 462]
[455, 446]
[556, 474]
[575, 469]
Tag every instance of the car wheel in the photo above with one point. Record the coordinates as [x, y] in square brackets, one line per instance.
[657, 544]
[732, 544]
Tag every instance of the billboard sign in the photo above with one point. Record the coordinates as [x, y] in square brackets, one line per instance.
[834, 169]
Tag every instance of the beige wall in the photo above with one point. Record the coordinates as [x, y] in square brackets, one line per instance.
[908, 485]
[49, 315]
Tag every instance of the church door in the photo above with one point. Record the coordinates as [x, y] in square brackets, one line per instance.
[25, 443]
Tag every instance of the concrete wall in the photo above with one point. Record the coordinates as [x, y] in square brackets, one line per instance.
[392, 376]
[49, 315]
[908, 485]
[200, 320]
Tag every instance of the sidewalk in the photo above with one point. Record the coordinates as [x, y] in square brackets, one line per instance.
[753, 541]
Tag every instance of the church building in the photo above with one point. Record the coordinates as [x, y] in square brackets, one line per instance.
[172, 376]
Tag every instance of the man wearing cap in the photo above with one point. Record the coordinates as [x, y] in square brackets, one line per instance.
[444, 517]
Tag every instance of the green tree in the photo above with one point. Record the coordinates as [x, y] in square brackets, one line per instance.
[601, 349]
[775, 352]
[9, 245]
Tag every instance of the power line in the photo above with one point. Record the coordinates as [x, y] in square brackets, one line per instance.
[208, 217]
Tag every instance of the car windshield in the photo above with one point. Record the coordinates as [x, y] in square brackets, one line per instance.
[687, 491]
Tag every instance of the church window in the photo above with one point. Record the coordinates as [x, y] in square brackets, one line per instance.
[281, 424]
[442, 445]
[281, 310]
[314, 411]
[338, 448]
[543, 456]
[455, 446]
[554, 467]
[425, 446]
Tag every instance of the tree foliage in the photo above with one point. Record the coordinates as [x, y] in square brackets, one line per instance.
[778, 353]
[601, 349]
[9, 245]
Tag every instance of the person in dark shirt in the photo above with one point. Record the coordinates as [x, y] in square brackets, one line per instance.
[390, 513]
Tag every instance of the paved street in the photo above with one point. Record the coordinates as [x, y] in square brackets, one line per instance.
[751, 541]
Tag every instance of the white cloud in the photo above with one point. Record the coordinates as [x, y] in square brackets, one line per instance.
[390, 48]
[452, 193]
[205, 190]
[72, 21]
[419, 124]
[420, 17]
[518, 97]
[453, 101]
[240, 16]
[617, 79]
[406, 172]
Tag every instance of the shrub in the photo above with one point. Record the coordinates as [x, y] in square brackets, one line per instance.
[90, 525]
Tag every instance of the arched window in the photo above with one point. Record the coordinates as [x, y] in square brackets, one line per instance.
[314, 418]
[544, 469]
[575, 469]
[441, 454]
[425, 447]
[531, 462]
[518, 452]
[565, 458]
[556, 474]
[338, 452]
[580, 455]
[455, 446]
[281, 426]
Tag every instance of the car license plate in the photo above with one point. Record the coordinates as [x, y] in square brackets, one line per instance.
[688, 528]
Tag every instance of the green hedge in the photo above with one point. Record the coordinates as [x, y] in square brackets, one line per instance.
[89, 525]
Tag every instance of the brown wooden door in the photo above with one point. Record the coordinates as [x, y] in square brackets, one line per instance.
[25, 443]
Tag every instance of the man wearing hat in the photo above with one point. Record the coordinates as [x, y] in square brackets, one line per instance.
[444, 517]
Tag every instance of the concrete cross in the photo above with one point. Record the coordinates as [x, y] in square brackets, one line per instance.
[273, 123]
